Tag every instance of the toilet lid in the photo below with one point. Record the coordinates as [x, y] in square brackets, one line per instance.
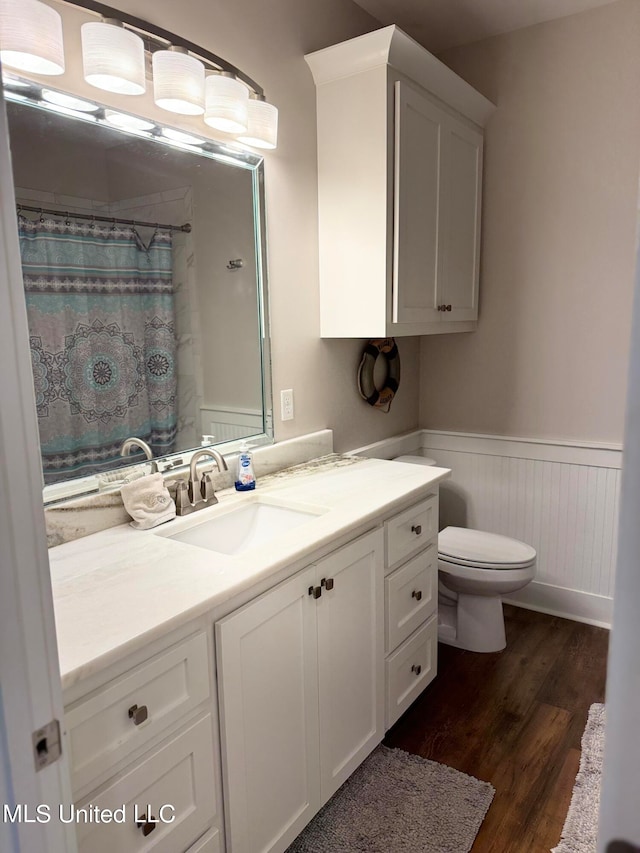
[415, 460]
[479, 548]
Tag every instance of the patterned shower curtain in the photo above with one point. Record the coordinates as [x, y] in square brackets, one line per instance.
[100, 307]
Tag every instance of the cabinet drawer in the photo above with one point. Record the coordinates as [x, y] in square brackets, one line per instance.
[209, 843]
[411, 530]
[410, 668]
[179, 775]
[100, 730]
[411, 596]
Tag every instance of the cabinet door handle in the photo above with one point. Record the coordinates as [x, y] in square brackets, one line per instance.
[447, 307]
[417, 594]
[315, 591]
[138, 714]
[440, 307]
[327, 583]
[417, 529]
[147, 826]
[416, 668]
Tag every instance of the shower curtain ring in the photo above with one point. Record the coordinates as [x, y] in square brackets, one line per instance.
[67, 220]
[92, 225]
[41, 215]
[113, 224]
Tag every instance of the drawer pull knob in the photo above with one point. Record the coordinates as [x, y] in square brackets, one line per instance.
[416, 668]
[327, 583]
[138, 714]
[417, 594]
[315, 591]
[417, 529]
[147, 826]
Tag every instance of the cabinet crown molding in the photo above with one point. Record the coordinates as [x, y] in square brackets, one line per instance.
[393, 47]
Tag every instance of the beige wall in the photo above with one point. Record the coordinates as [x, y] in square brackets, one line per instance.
[268, 41]
[562, 151]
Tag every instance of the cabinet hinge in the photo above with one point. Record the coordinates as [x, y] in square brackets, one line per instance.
[47, 745]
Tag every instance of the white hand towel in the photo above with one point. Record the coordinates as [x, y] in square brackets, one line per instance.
[148, 502]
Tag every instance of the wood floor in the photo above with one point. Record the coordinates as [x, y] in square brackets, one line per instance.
[514, 719]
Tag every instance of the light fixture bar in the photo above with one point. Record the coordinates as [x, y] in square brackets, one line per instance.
[166, 38]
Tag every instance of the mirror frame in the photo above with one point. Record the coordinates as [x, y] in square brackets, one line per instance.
[26, 92]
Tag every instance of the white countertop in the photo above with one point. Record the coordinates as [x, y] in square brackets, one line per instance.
[119, 589]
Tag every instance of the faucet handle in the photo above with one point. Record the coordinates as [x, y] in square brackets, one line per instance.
[183, 504]
[206, 488]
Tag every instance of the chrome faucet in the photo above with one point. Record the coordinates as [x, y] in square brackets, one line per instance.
[128, 443]
[198, 493]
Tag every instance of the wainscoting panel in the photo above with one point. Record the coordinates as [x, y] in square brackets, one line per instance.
[560, 497]
[568, 511]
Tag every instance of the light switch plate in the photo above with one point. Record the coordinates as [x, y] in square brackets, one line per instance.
[286, 405]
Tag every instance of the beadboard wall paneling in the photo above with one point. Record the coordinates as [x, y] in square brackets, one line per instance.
[562, 498]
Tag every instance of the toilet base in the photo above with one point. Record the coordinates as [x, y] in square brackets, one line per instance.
[474, 623]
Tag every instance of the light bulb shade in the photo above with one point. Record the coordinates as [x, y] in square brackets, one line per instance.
[31, 37]
[178, 82]
[113, 58]
[262, 131]
[226, 103]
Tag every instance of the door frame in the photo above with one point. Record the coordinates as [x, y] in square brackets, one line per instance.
[30, 688]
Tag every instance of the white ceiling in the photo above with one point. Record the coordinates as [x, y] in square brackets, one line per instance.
[438, 24]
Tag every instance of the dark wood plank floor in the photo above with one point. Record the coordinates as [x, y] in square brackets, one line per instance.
[514, 719]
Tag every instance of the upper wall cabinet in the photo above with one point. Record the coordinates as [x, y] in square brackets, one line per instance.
[400, 185]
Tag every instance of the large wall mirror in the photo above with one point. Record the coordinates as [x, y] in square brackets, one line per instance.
[143, 266]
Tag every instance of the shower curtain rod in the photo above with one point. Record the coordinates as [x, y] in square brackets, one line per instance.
[185, 228]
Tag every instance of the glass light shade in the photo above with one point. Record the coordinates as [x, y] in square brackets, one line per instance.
[178, 82]
[262, 131]
[127, 122]
[226, 102]
[31, 37]
[60, 99]
[113, 58]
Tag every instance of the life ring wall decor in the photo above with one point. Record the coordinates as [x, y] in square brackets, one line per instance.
[379, 398]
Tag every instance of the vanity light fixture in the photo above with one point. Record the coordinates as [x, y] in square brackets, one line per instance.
[226, 103]
[68, 101]
[115, 50]
[113, 57]
[262, 130]
[31, 37]
[127, 122]
[182, 138]
[178, 81]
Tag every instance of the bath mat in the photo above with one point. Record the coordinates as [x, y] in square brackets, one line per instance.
[580, 831]
[399, 803]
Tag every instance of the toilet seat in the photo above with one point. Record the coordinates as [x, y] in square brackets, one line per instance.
[461, 546]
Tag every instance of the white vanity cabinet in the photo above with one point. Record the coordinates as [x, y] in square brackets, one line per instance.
[142, 738]
[411, 605]
[301, 682]
[400, 141]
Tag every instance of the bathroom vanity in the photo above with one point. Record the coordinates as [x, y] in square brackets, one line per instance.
[222, 698]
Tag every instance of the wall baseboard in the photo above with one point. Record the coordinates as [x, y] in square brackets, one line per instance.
[566, 603]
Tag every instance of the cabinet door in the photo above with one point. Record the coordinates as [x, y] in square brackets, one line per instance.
[460, 214]
[350, 658]
[417, 200]
[268, 685]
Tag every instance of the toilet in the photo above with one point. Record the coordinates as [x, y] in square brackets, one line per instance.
[475, 569]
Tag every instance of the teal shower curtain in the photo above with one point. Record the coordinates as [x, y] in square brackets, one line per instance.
[100, 306]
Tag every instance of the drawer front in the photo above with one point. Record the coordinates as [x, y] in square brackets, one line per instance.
[209, 843]
[100, 730]
[411, 668]
[411, 531]
[411, 596]
[175, 786]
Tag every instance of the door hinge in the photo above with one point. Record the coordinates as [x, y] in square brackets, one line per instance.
[47, 745]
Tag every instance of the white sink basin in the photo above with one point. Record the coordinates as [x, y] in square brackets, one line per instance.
[247, 526]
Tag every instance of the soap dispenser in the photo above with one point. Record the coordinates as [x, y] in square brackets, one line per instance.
[245, 477]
